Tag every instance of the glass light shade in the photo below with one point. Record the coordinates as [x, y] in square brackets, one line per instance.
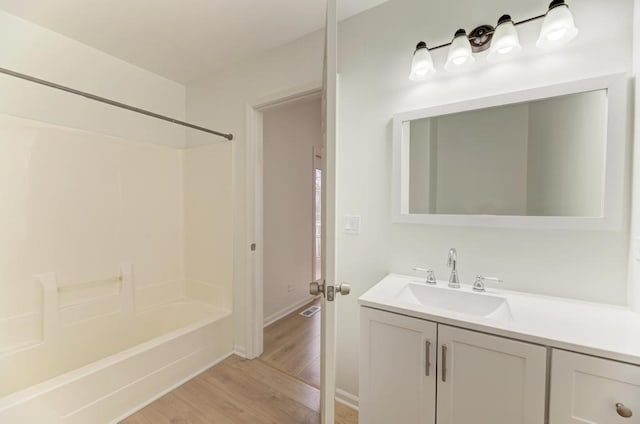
[505, 42]
[460, 54]
[558, 27]
[422, 64]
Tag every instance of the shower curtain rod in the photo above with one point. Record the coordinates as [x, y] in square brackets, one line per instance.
[112, 102]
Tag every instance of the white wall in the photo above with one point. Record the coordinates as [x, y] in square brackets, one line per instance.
[566, 155]
[291, 131]
[375, 51]
[221, 101]
[34, 50]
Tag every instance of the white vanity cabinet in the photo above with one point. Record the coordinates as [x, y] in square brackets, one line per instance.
[486, 379]
[397, 369]
[592, 390]
[480, 379]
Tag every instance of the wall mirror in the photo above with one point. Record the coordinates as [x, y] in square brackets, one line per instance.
[551, 157]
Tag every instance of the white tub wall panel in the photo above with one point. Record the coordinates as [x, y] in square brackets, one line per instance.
[209, 293]
[208, 218]
[156, 322]
[70, 295]
[126, 286]
[90, 309]
[71, 303]
[49, 306]
[78, 204]
[20, 330]
[150, 295]
[86, 301]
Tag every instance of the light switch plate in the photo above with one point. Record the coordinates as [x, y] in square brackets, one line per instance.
[352, 224]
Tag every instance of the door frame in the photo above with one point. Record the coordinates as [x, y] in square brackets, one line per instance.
[254, 212]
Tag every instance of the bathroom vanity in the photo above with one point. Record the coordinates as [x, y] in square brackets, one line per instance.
[434, 354]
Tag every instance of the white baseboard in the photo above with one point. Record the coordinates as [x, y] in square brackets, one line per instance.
[347, 399]
[240, 351]
[286, 311]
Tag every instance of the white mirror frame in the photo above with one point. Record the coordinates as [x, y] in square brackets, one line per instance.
[617, 87]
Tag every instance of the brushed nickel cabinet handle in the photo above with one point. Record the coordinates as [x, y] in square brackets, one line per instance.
[623, 411]
[444, 363]
[427, 361]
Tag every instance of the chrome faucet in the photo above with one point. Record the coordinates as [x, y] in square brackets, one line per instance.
[431, 275]
[452, 262]
[478, 285]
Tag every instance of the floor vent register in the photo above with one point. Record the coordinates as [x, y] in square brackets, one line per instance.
[310, 311]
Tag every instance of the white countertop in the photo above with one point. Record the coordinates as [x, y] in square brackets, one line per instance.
[591, 328]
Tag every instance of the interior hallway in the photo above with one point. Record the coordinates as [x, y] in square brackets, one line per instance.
[280, 387]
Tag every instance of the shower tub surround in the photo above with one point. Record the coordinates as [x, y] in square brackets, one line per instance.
[113, 284]
[106, 348]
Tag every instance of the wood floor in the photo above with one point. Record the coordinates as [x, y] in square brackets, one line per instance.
[292, 345]
[281, 387]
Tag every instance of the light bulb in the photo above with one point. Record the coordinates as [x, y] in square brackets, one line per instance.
[558, 27]
[557, 34]
[459, 60]
[422, 64]
[505, 42]
[460, 54]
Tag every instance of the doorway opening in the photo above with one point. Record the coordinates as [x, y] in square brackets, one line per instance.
[292, 228]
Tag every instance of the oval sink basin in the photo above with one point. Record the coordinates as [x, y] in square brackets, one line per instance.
[456, 300]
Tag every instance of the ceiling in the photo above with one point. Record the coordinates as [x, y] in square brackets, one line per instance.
[181, 40]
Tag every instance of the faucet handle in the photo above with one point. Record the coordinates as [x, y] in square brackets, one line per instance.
[431, 275]
[478, 285]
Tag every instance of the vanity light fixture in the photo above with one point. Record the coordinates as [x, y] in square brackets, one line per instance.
[558, 28]
[506, 42]
[422, 64]
[460, 55]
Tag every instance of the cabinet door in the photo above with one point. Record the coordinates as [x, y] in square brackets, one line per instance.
[397, 369]
[489, 380]
[588, 390]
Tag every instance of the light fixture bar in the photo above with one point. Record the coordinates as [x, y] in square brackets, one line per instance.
[524, 21]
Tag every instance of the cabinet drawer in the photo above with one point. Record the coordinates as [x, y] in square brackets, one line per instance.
[586, 390]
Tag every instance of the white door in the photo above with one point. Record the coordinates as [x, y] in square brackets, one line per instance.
[489, 380]
[397, 369]
[328, 286]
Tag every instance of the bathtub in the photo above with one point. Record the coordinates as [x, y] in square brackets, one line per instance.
[100, 358]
